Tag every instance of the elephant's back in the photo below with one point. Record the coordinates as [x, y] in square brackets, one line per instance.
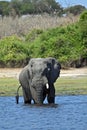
[38, 61]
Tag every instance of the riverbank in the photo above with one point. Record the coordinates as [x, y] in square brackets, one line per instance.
[70, 82]
[14, 72]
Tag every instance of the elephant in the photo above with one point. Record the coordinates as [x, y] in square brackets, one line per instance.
[37, 80]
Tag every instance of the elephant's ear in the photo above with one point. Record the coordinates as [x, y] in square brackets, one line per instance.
[55, 70]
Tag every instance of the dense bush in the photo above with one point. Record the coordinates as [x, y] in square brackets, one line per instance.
[75, 10]
[12, 51]
[67, 44]
[83, 31]
[62, 43]
[33, 35]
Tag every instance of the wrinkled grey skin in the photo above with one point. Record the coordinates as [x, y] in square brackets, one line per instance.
[37, 80]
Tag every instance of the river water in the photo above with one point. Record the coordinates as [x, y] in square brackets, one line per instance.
[69, 114]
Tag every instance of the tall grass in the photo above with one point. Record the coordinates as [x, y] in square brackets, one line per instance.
[71, 85]
[63, 86]
[8, 86]
[24, 24]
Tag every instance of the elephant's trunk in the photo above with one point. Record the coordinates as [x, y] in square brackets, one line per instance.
[39, 93]
[39, 98]
[39, 84]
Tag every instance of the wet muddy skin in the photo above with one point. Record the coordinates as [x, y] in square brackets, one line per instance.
[69, 113]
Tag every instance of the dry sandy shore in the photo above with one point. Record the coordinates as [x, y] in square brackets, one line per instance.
[14, 72]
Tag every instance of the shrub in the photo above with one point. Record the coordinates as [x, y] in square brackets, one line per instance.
[33, 34]
[83, 32]
[83, 24]
[12, 50]
[63, 43]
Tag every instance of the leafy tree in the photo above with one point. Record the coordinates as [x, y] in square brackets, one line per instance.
[75, 10]
[15, 6]
[4, 8]
[36, 6]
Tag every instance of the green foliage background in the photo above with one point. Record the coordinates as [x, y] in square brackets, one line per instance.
[12, 51]
[20, 7]
[66, 44]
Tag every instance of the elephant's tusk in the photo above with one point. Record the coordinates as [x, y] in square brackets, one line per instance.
[47, 85]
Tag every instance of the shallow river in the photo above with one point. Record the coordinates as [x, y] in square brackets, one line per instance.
[69, 114]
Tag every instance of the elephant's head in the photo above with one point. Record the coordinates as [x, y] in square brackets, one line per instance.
[43, 73]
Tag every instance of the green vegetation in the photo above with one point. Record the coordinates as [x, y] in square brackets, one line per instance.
[8, 86]
[71, 86]
[64, 86]
[21, 7]
[4, 8]
[75, 10]
[68, 44]
[17, 7]
[63, 43]
[12, 51]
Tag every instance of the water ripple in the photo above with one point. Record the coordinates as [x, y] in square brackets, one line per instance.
[69, 114]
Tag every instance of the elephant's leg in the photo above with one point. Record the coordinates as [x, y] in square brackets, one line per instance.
[51, 94]
[44, 96]
[27, 96]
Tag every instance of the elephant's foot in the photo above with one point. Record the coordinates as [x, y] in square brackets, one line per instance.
[27, 102]
[51, 100]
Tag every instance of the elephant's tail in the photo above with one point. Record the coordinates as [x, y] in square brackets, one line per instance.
[17, 95]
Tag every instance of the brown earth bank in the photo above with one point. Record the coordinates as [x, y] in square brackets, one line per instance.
[14, 72]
